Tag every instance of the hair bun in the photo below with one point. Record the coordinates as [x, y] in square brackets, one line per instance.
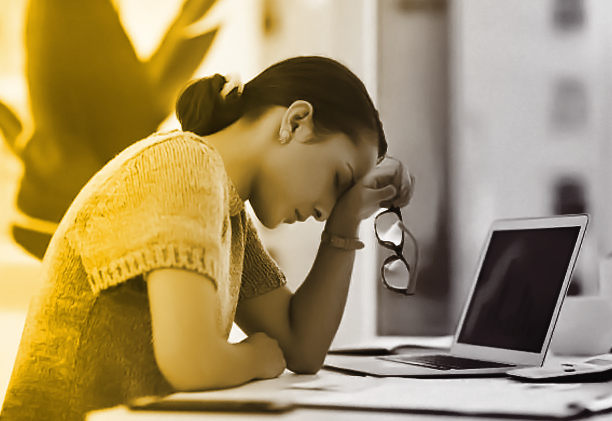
[198, 107]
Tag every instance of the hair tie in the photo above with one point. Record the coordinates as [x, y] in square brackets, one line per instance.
[232, 82]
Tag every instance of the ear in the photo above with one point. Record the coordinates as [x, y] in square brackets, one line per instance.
[297, 123]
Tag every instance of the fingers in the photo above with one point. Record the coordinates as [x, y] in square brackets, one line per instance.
[385, 194]
[391, 172]
[406, 191]
[374, 199]
[386, 185]
[387, 172]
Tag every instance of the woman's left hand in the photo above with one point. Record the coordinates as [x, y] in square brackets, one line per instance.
[387, 184]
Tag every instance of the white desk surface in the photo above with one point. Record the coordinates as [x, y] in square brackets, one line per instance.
[300, 414]
[122, 414]
[463, 396]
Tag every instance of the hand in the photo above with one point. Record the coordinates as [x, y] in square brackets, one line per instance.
[269, 361]
[387, 184]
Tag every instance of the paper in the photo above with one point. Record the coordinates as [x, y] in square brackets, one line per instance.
[461, 396]
[386, 344]
[482, 396]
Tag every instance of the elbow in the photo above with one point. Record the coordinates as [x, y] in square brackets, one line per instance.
[188, 372]
[198, 377]
[305, 369]
[205, 368]
[179, 382]
[181, 378]
[305, 363]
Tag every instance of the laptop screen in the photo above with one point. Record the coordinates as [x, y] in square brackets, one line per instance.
[518, 287]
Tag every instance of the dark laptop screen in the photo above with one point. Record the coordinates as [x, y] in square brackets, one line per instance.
[518, 287]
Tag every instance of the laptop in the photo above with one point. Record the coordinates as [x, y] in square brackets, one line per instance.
[508, 320]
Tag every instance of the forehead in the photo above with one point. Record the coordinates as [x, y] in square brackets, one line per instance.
[361, 153]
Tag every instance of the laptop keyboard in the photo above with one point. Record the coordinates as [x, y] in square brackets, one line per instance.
[445, 362]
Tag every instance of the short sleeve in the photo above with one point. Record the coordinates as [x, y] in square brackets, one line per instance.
[260, 272]
[164, 206]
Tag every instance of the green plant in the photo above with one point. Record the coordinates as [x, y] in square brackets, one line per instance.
[90, 97]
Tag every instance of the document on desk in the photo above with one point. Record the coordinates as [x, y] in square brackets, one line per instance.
[491, 397]
[476, 396]
[383, 345]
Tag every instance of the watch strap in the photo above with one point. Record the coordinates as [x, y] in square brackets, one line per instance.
[342, 243]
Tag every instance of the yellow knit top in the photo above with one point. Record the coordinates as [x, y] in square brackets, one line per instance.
[164, 202]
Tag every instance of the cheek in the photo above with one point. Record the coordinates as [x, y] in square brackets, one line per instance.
[282, 182]
[293, 181]
[316, 181]
[268, 200]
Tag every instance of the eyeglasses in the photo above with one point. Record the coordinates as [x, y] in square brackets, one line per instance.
[397, 273]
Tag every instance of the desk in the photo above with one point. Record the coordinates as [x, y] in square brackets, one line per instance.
[320, 389]
[121, 414]
[329, 386]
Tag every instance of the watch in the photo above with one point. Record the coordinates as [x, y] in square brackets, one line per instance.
[342, 243]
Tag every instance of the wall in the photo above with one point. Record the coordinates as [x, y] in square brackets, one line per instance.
[413, 103]
[531, 101]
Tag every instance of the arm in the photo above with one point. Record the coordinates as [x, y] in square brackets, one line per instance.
[305, 323]
[190, 351]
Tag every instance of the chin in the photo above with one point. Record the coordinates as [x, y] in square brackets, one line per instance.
[269, 224]
[267, 220]
[272, 221]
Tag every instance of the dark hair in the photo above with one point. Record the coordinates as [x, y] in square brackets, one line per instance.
[340, 101]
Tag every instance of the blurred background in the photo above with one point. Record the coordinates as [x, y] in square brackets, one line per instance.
[500, 108]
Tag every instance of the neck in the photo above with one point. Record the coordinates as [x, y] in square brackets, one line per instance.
[242, 145]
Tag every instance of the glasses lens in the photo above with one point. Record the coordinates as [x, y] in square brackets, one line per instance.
[396, 273]
[389, 229]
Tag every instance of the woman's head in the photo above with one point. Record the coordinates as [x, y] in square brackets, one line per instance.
[332, 129]
[340, 101]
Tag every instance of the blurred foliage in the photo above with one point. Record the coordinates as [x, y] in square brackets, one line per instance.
[91, 97]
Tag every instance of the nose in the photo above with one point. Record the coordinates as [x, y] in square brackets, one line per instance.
[320, 214]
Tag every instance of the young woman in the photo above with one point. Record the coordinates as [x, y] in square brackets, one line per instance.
[157, 257]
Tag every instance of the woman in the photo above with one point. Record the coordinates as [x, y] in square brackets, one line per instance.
[157, 257]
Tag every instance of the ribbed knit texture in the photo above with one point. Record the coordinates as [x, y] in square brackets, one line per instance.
[165, 202]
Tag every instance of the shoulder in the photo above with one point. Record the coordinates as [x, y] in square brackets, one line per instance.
[165, 160]
[163, 201]
[172, 170]
[176, 147]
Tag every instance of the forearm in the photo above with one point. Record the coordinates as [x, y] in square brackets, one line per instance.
[212, 367]
[317, 306]
[305, 322]
[190, 351]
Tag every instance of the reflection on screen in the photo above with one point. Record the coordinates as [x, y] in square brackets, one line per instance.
[518, 287]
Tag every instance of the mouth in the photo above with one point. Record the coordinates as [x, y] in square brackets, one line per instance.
[293, 218]
[296, 217]
[299, 216]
